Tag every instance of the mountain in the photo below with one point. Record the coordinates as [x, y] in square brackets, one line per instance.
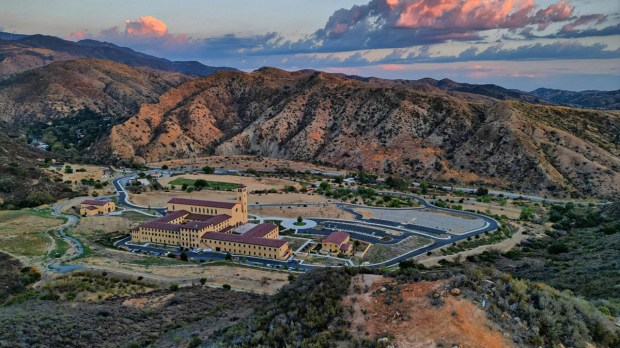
[606, 100]
[422, 132]
[65, 88]
[32, 51]
[489, 90]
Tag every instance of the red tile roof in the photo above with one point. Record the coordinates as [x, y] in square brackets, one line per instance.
[163, 223]
[162, 226]
[202, 203]
[94, 202]
[90, 207]
[260, 230]
[239, 238]
[346, 247]
[337, 237]
[172, 215]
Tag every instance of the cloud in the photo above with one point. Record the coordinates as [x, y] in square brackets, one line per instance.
[147, 26]
[145, 33]
[405, 23]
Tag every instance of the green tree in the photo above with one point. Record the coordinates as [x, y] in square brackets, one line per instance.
[174, 287]
[482, 191]
[227, 287]
[527, 213]
[208, 170]
[183, 256]
[200, 183]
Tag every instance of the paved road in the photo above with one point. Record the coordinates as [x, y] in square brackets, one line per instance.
[119, 185]
[72, 220]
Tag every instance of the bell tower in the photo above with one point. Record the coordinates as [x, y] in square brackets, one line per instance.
[242, 197]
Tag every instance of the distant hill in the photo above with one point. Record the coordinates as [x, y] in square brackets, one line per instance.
[65, 88]
[19, 54]
[607, 100]
[399, 128]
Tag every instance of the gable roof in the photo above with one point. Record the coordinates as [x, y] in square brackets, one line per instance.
[239, 238]
[201, 203]
[336, 237]
[94, 202]
[260, 230]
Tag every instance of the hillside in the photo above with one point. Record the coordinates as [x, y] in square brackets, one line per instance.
[425, 133]
[609, 100]
[65, 88]
[23, 181]
[19, 53]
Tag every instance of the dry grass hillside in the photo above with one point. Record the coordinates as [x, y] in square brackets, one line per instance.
[418, 130]
[64, 88]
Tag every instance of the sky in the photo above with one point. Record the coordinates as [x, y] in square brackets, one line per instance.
[522, 44]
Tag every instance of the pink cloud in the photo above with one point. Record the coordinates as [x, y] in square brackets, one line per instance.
[583, 20]
[146, 26]
[392, 67]
[478, 14]
[145, 31]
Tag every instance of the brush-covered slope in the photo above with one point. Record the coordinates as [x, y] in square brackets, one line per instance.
[64, 88]
[608, 100]
[420, 132]
[23, 180]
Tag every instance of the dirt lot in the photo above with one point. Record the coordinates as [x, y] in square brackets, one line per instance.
[159, 198]
[22, 233]
[240, 278]
[245, 162]
[327, 211]
[406, 312]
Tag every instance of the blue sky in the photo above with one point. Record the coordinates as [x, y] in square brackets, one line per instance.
[521, 44]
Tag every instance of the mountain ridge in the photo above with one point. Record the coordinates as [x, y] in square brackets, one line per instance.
[425, 133]
[32, 51]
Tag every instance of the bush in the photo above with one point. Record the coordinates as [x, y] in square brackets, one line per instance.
[174, 287]
[226, 287]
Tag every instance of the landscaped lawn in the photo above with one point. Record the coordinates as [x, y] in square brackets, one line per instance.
[212, 185]
[383, 252]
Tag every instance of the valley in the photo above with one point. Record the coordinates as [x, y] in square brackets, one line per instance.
[148, 202]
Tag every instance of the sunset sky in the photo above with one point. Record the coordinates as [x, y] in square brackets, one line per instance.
[522, 44]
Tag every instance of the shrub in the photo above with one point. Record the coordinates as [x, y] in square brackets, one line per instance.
[174, 287]
[226, 287]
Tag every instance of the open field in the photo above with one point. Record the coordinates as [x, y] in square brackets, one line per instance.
[92, 172]
[237, 276]
[210, 185]
[159, 198]
[245, 162]
[382, 252]
[326, 211]
[321, 260]
[511, 210]
[252, 183]
[23, 233]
